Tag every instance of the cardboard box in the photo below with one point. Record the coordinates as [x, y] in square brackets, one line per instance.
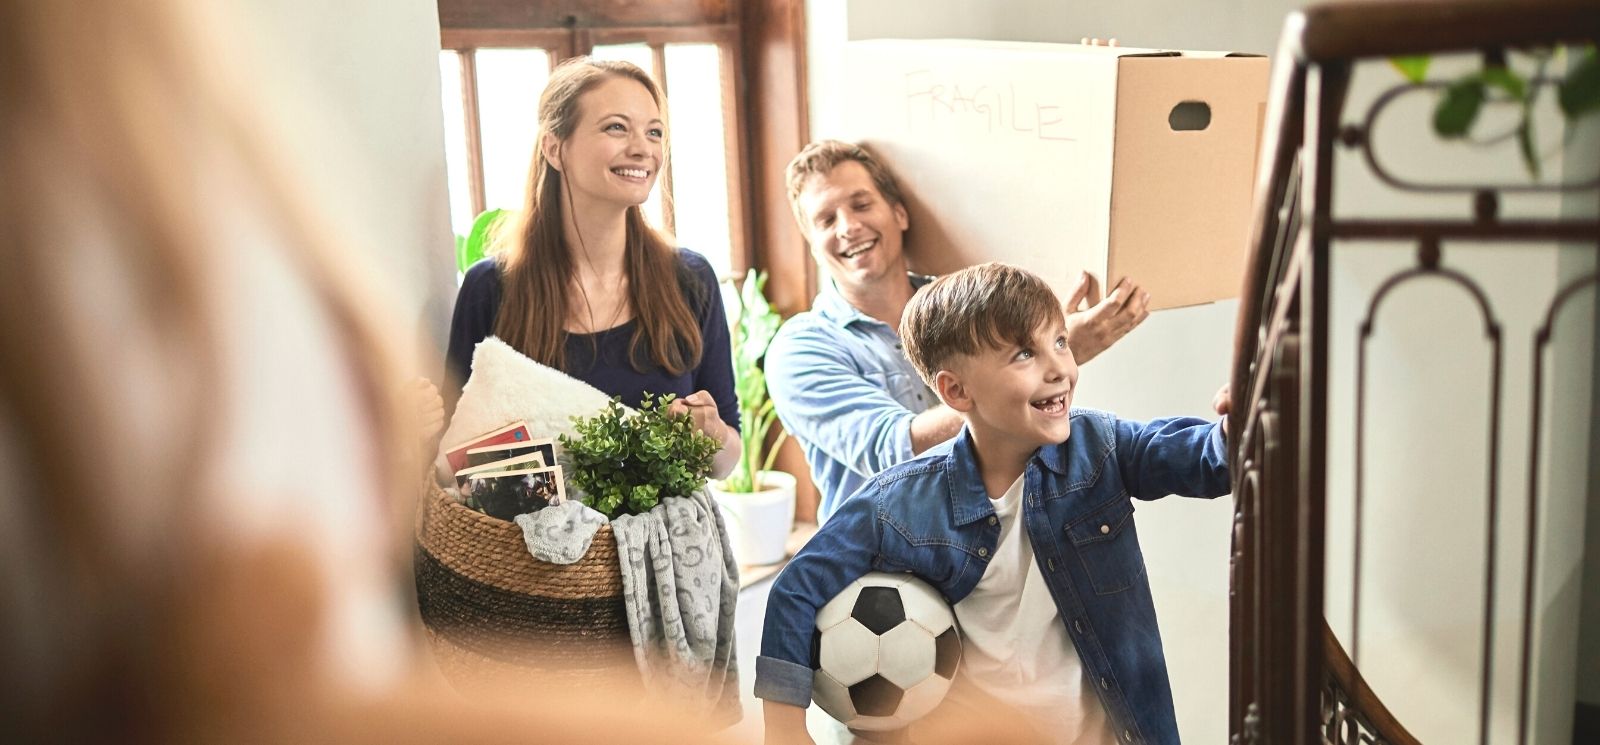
[1061, 157]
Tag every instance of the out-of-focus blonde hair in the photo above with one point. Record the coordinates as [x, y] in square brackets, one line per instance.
[121, 618]
[107, 571]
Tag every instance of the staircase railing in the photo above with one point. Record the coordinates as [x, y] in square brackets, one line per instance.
[1292, 681]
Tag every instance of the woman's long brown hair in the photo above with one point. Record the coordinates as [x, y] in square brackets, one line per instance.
[537, 267]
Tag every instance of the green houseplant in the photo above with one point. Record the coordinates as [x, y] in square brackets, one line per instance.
[1577, 95]
[758, 501]
[754, 325]
[473, 246]
[625, 464]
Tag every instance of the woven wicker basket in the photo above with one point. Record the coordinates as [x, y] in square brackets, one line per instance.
[496, 614]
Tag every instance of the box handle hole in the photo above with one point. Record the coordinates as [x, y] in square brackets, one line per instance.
[1190, 116]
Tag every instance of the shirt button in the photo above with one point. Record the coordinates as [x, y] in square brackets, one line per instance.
[1078, 624]
[993, 519]
[983, 551]
[1105, 682]
[1050, 563]
[1127, 734]
[1104, 529]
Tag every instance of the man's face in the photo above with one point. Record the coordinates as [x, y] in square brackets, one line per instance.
[1021, 395]
[852, 229]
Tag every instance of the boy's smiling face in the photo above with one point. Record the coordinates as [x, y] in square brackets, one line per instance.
[1017, 396]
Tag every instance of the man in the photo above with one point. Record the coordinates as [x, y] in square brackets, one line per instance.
[837, 374]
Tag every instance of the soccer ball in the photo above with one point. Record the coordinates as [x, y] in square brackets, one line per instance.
[885, 649]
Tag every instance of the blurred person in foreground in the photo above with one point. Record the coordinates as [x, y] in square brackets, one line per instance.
[207, 477]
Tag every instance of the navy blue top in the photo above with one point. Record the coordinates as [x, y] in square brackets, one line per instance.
[601, 359]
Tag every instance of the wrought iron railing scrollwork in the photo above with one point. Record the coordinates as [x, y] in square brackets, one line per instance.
[1428, 267]
[1291, 681]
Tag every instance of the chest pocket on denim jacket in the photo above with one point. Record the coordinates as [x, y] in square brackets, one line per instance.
[1107, 545]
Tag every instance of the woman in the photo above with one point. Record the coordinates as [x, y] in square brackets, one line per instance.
[584, 284]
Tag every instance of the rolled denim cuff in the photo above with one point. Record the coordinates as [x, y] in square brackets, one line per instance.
[783, 681]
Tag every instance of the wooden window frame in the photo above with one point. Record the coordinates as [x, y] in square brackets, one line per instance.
[566, 29]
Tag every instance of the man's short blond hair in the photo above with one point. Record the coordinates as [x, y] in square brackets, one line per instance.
[821, 157]
[980, 308]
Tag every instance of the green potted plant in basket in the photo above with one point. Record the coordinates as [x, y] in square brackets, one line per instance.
[757, 501]
[626, 463]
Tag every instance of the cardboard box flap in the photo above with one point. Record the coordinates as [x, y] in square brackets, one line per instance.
[1066, 158]
[1183, 171]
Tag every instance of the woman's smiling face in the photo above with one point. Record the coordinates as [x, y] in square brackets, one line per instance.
[614, 154]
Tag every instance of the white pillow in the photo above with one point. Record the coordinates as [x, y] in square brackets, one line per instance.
[507, 386]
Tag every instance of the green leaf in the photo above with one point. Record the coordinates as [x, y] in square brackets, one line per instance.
[756, 322]
[751, 385]
[1506, 80]
[1530, 158]
[1459, 108]
[479, 239]
[1414, 69]
[1579, 93]
[754, 325]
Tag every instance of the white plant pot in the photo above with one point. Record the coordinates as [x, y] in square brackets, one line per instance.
[759, 523]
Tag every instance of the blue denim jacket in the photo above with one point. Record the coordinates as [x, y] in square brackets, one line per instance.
[932, 517]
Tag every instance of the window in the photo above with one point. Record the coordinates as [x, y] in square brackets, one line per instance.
[492, 79]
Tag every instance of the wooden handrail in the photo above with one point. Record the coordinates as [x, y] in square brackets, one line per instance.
[1363, 699]
[1354, 30]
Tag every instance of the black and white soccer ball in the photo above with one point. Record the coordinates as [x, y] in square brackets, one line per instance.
[885, 650]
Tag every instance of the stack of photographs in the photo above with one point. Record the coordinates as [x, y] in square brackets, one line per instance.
[509, 479]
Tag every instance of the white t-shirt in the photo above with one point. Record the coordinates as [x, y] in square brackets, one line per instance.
[1014, 646]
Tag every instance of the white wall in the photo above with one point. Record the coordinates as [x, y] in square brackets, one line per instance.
[1426, 439]
[355, 86]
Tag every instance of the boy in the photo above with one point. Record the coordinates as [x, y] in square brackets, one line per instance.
[1023, 522]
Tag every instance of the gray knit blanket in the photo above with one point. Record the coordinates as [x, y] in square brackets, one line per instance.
[680, 585]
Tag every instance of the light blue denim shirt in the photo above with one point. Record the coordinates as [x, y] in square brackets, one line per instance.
[843, 388]
[932, 517]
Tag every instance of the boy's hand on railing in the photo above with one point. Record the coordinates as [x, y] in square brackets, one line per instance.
[1093, 329]
[1223, 404]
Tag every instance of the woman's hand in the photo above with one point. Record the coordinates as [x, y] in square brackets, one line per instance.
[702, 408]
[423, 416]
[428, 407]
